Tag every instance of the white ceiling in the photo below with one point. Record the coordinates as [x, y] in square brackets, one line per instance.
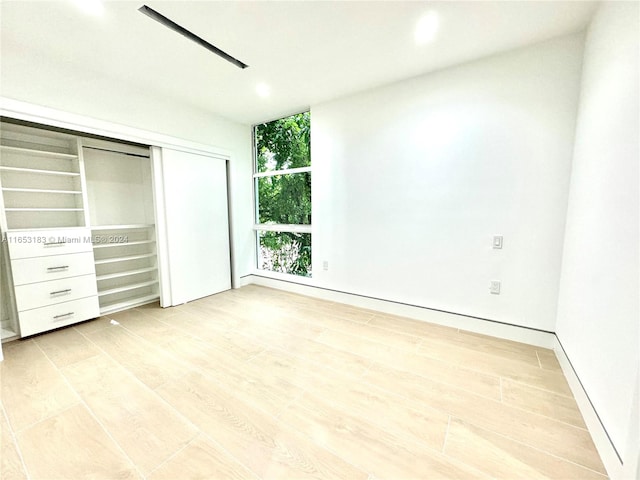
[307, 52]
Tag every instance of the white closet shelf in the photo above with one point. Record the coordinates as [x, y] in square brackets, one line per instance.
[126, 273]
[71, 229]
[43, 209]
[127, 303]
[123, 244]
[122, 227]
[124, 259]
[40, 190]
[126, 288]
[39, 172]
[39, 153]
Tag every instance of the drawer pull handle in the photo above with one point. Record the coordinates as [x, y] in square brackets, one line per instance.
[57, 269]
[61, 292]
[54, 244]
[64, 315]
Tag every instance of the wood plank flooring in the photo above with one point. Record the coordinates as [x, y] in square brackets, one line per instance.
[261, 384]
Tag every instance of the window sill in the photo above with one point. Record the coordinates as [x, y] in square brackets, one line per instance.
[286, 277]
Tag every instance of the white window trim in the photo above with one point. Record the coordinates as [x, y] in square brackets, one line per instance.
[278, 227]
[274, 227]
[282, 172]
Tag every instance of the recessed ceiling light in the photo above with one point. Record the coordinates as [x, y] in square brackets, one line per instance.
[427, 28]
[263, 90]
[90, 7]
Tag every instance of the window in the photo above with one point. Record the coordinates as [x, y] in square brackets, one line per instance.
[282, 187]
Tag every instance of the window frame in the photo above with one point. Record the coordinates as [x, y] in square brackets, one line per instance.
[274, 227]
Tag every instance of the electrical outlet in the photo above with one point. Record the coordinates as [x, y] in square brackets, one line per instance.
[497, 241]
[325, 265]
[494, 287]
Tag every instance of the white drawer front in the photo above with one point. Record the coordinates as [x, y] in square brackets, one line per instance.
[41, 243]
[60, 315]
[55, 267]
[36, 295]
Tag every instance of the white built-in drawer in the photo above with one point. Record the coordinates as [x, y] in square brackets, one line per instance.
[39, 243]
[55, 267]
[55, 316]
[35, 295]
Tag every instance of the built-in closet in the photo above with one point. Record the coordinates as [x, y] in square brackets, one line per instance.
[48, 262]
[78, 224]
[121, 209]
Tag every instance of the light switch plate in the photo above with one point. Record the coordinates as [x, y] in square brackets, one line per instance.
[497, 241]
[494, 287]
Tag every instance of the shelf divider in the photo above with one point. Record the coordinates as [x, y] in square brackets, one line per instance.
[122, 227]
[126, 288]
[22, 209]
[124, 259]
[39, 172]
[126, 273]
[40, 190]
[38, 153]
[128, 303]
[124, 244]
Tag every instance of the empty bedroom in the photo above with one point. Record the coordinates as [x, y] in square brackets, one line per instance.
[319, 239]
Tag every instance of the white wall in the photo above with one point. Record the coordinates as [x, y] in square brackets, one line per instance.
[599, 312]
[411, 181]
[61, 86]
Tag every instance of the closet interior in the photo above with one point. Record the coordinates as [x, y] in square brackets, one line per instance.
[78, 228]
[121, 209]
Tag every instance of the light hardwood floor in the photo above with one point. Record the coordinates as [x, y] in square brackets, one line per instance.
[257, 383]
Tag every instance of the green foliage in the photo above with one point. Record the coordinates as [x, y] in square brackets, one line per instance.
[286, 252]
[284, 143]
[285, 199]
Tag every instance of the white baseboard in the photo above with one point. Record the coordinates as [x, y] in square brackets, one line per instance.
[509, 332]
[599, 435]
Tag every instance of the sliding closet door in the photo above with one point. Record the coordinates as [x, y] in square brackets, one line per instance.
[196, 225]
